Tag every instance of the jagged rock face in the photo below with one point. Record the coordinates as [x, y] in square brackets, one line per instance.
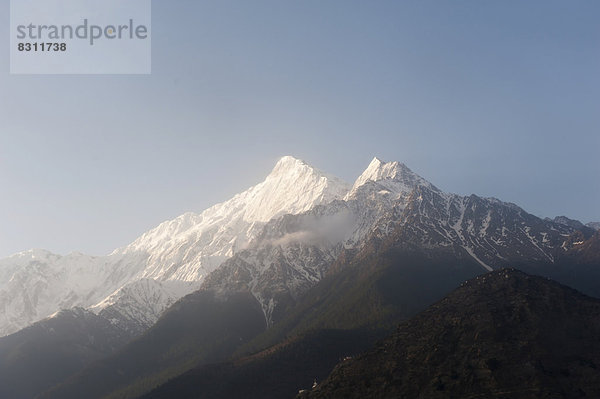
[494, 233]
[505, 334]
[275, 275]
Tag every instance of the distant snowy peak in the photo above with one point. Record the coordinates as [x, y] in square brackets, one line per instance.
[391, 176]
[35, 284]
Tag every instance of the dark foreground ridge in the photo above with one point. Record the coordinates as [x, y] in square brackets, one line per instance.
[502, 335]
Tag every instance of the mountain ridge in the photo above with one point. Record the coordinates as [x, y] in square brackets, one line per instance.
[179, 252]
[505, 334]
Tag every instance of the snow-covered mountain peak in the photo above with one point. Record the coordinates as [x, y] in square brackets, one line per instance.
[289, 163]
[394, 177]
[293, 186]
[289, 167]
[37, 283]
[192, 245]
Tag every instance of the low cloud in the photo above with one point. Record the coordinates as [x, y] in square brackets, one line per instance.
[316, 230]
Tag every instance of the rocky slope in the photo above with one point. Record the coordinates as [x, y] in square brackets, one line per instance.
[502, 335]
[44, 354]
[201, 327]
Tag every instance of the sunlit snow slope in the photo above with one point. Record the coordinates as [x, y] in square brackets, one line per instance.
[176, 255]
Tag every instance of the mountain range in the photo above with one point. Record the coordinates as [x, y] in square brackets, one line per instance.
[289, 263]
[176, 255]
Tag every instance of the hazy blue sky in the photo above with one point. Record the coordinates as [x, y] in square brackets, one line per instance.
[497, 98]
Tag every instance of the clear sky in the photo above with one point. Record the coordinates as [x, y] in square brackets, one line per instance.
[496, 98]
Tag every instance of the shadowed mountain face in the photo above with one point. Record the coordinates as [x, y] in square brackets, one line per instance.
[370, 290]
[342, 315]
[502, 335]
[374, 291]
[202, 327]
[373, 288]
[577, 265]
[273, 373]
[44, 354]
